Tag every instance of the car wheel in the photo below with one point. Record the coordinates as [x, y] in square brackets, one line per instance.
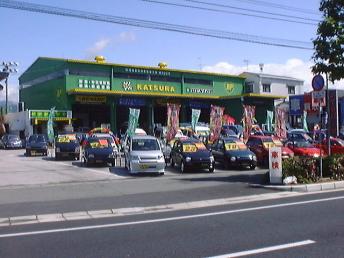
[182, 167]
[252, 167]
[211, 169]
[172, 163]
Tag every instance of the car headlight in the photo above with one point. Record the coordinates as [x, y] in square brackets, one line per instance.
[160, 156]
[250, 156]
[91, 155]
[188, 159]
[57, 149]
[212, 159]
[233, 159]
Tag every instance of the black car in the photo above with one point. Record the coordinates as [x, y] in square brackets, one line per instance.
[37, 143]
[191, 153]
[10, 141]
[67, 146]
[233, 152]
[98, 150]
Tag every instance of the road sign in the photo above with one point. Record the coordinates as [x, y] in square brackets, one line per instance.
[318, 82]
[318, 98]
[275, 165]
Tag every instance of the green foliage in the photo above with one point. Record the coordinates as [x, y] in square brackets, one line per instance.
[329, 44]
[334, 167]
[306, 170]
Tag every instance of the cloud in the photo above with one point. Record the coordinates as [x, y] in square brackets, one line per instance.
[126, 36]
[98, 46]
[293, 68]
[102, 44]
[13, 93]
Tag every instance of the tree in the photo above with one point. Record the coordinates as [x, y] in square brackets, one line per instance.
[329, 44]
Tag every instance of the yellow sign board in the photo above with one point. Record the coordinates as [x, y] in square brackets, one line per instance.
[90, 99]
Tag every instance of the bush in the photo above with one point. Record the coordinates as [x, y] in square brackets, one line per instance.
[306, 170]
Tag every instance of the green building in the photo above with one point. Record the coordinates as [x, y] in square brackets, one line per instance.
[101, 93]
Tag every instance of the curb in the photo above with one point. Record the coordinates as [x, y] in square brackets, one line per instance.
[304, 188]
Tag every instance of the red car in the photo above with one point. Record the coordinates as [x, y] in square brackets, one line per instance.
[337, 146]
[304, 149]
[260, 145]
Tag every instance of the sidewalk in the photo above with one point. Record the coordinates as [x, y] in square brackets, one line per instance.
[304, 187]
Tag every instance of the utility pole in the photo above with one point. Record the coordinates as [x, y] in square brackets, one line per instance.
[328, 122]
[6, 70]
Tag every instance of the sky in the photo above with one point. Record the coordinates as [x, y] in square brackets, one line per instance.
[25, 36]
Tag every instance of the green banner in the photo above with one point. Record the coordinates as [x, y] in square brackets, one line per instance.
[269, 119]
[50, 128]
[305, 127]
[134, 115]
[194, 118]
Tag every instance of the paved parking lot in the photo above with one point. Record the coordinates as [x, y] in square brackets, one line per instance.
[16, 169]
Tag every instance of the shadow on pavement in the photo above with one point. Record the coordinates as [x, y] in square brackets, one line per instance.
[251, 179]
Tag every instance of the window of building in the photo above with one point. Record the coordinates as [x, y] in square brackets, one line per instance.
[198, 81]
[266, 87]
[82, 72]
[249, 87]
[135, 76]
[165, 78]
[291, 89]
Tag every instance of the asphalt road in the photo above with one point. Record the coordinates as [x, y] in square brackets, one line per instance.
[37, 185]
[304, 226]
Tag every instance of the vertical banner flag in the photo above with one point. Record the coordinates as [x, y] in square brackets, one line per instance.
[304, 118]
[172, 120]
[194, 118]
[216, 115]
[269, 119]
[134, 115]
[50, 126]
[248, 120]
[280, 124]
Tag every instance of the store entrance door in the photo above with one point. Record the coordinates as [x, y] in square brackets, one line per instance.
[88, 116]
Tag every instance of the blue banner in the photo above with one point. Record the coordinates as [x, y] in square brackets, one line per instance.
[133, 102]
[296, 105]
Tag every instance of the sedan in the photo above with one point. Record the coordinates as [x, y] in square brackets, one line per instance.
[10, 141]
[232, 152]
[143, 154]
[67, 145]
[190, 154]
[37, 143]
[304, 149]
[98, 151]
[336, 145]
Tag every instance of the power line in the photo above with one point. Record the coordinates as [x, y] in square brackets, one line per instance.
[229, 12]
[278, 6]
[253, 10]
[19, 5]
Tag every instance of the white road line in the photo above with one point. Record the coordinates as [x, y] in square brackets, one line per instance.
[167, 219]
[266, 249]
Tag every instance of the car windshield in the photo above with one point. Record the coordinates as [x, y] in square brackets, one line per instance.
[193, 146]
[303, 144]
[98, 143]
[13, 138]
[144, 145]
[235, 145]
[41, 138]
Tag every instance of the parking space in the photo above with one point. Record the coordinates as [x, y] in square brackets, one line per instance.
[18, 170]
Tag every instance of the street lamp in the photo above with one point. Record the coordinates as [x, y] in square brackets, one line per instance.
[6, 68]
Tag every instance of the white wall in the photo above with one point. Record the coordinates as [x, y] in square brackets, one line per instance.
[19, 121]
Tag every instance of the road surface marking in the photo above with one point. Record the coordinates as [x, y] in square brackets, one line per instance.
[266, 249]
[140, 222]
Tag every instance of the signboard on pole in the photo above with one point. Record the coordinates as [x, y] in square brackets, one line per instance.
[318, 82]
[318, 98]
[275, 165]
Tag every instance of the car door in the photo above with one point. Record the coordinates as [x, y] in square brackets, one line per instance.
[174, 151]
[221, 150]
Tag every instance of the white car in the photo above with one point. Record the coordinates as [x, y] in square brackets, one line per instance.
[143, 154]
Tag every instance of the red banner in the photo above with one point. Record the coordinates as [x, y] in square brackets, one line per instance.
[216, 115]
[280, 125]
[172, 120]
[248, 120]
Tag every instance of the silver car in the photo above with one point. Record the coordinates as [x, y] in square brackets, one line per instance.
[144, 154]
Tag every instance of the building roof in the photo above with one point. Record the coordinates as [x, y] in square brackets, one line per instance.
[132, 66]
[270, 76]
